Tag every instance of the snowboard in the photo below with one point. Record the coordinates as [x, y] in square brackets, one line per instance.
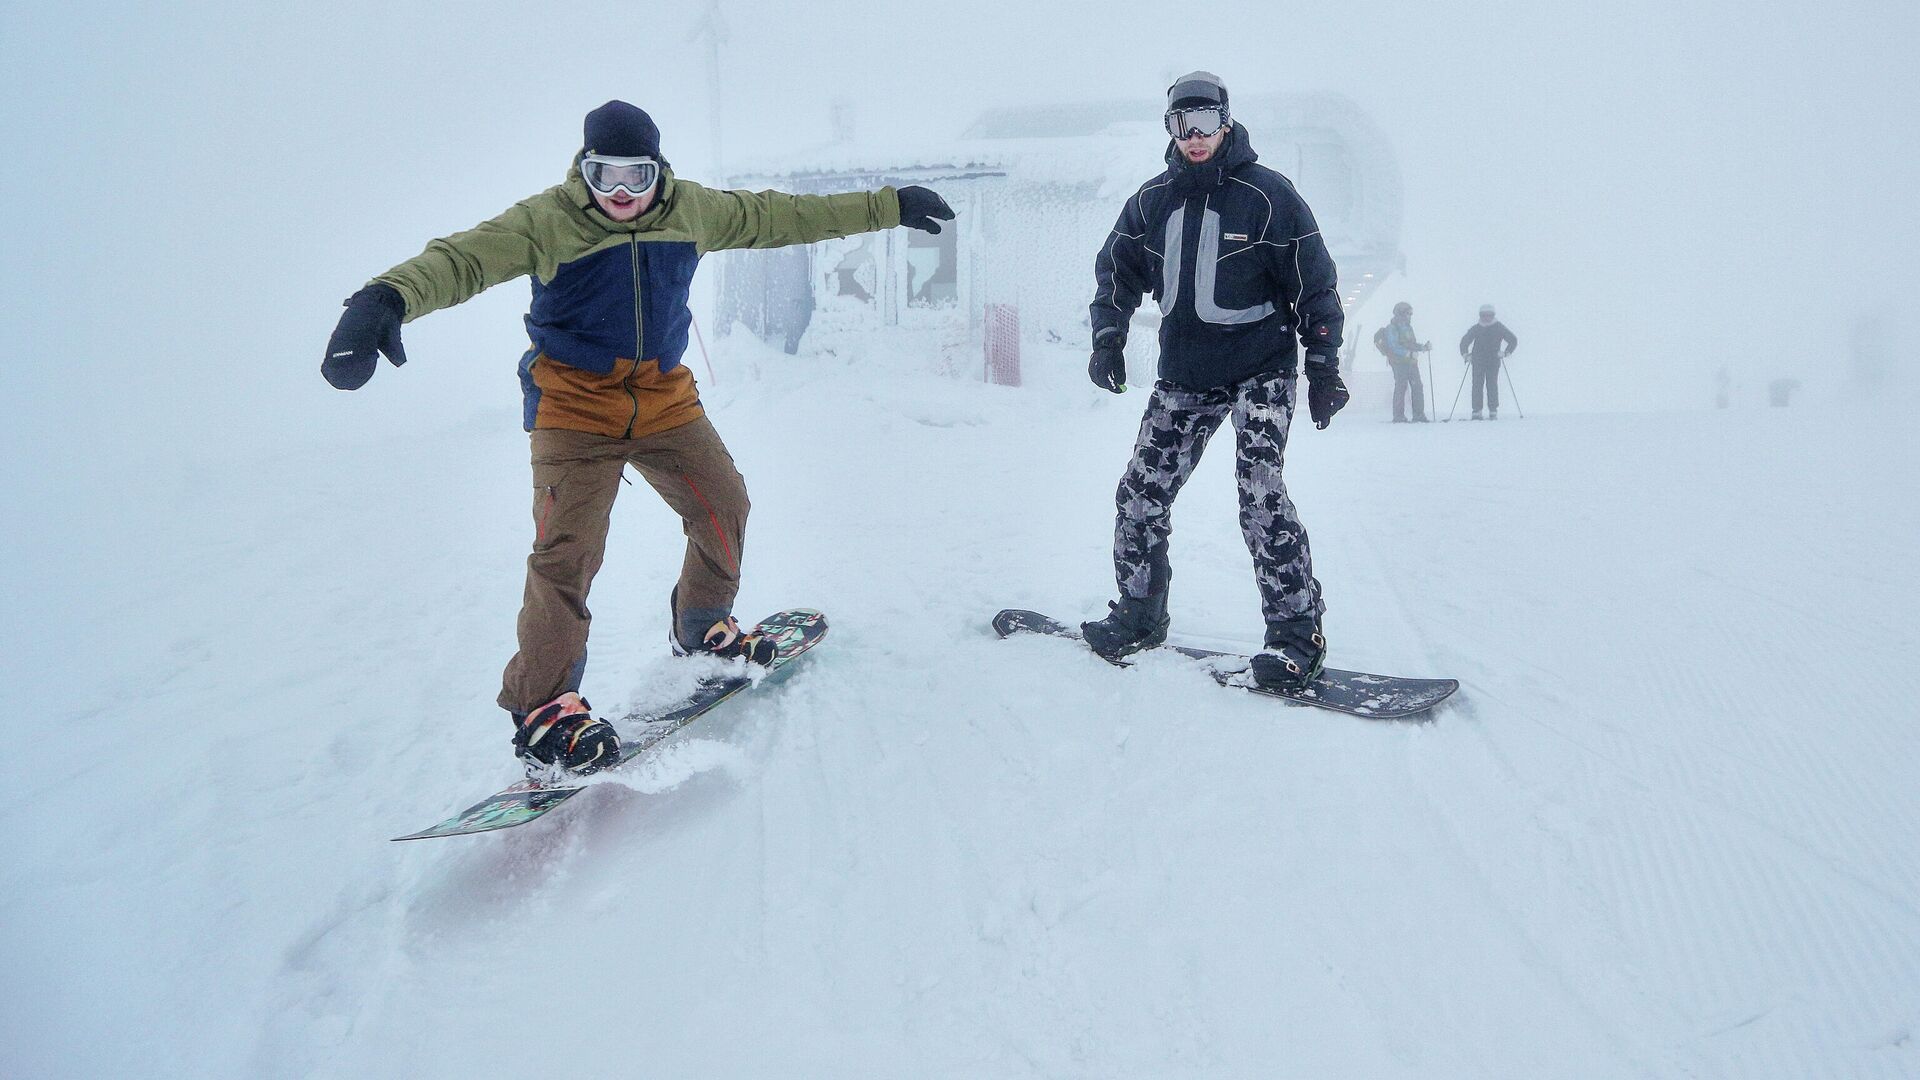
[1357, 693]
[793, 632]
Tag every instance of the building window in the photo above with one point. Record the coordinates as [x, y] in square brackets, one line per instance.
[857, 272]
[932, 268]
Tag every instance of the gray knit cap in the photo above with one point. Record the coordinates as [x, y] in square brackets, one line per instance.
[1197, 87]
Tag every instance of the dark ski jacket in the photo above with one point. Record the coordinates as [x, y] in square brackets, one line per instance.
[1234, 258]
[1483, 342]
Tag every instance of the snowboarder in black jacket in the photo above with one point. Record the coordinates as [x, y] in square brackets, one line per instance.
[1245, 285]
[1485, 345]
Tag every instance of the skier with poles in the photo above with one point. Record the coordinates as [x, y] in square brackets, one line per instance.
[1244, 285]
[1403, 356]
[612, 251]
[1485, 345]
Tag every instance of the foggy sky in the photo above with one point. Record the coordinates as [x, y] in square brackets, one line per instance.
[1645, 192]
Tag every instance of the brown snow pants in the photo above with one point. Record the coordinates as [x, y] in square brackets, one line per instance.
[575, 478]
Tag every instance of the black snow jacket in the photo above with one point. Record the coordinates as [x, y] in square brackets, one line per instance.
[1483, 342]
[1236, 261]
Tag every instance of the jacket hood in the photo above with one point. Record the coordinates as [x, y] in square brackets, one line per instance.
[1236, 150]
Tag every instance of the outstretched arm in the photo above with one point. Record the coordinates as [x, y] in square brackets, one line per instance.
[770, 219]
[454, 269]
[451, 270]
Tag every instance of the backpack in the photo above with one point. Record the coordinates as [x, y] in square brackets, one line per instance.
[1380, 342]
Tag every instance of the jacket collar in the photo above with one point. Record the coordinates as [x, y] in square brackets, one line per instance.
[1236, 150]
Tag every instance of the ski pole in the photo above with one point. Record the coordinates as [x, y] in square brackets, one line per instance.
[1511, 390]
[1464, 368]
[1430, 410]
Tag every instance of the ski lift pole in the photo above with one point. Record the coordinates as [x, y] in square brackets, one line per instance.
[701, 338]
[1510, 390]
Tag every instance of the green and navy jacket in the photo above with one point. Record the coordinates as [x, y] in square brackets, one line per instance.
[609, 317]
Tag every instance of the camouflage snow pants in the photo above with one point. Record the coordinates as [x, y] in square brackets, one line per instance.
[1173, 433]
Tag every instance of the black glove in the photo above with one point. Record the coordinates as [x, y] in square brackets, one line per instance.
[371, 326]
[1108, 368]
[1326, 394]
[918, 208]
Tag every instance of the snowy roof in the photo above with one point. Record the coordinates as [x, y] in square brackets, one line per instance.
[1077, 160]
[1110, 145]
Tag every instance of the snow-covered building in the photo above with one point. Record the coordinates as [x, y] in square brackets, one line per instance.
[1037, 190]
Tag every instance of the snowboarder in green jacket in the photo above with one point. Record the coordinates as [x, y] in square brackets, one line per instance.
[612, 251]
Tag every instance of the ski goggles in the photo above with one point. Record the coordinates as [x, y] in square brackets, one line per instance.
[1203, 120]
[606, 175]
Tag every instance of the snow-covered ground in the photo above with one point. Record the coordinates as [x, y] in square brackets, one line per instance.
[1666, 829]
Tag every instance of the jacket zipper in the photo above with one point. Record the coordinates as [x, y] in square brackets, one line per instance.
[633, 251]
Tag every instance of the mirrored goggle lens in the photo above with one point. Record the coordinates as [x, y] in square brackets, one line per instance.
[1182, 123]
[606, 177]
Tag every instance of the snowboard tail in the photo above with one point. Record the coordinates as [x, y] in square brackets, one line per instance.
[1357, 693]
[793, 632]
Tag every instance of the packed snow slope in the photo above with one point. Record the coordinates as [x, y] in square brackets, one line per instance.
[1665, 830]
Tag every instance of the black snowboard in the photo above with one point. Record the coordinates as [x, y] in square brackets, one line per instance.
[1377, 697]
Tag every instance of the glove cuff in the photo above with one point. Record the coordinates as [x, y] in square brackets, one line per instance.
[1321, 360]
[379, 292]
[1109, 337]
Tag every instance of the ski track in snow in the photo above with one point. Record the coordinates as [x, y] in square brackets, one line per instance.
[1664, 830]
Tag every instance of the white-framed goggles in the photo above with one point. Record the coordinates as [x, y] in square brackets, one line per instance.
[606, 175]
[1200, 120]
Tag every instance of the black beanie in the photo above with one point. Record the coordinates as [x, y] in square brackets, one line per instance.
[618, 129]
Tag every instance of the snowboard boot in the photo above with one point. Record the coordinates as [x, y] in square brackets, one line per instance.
[712, 632]
[1294, 654]
[1132, 624]
[563, 735]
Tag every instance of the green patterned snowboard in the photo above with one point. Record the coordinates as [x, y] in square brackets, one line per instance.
[794, 632]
